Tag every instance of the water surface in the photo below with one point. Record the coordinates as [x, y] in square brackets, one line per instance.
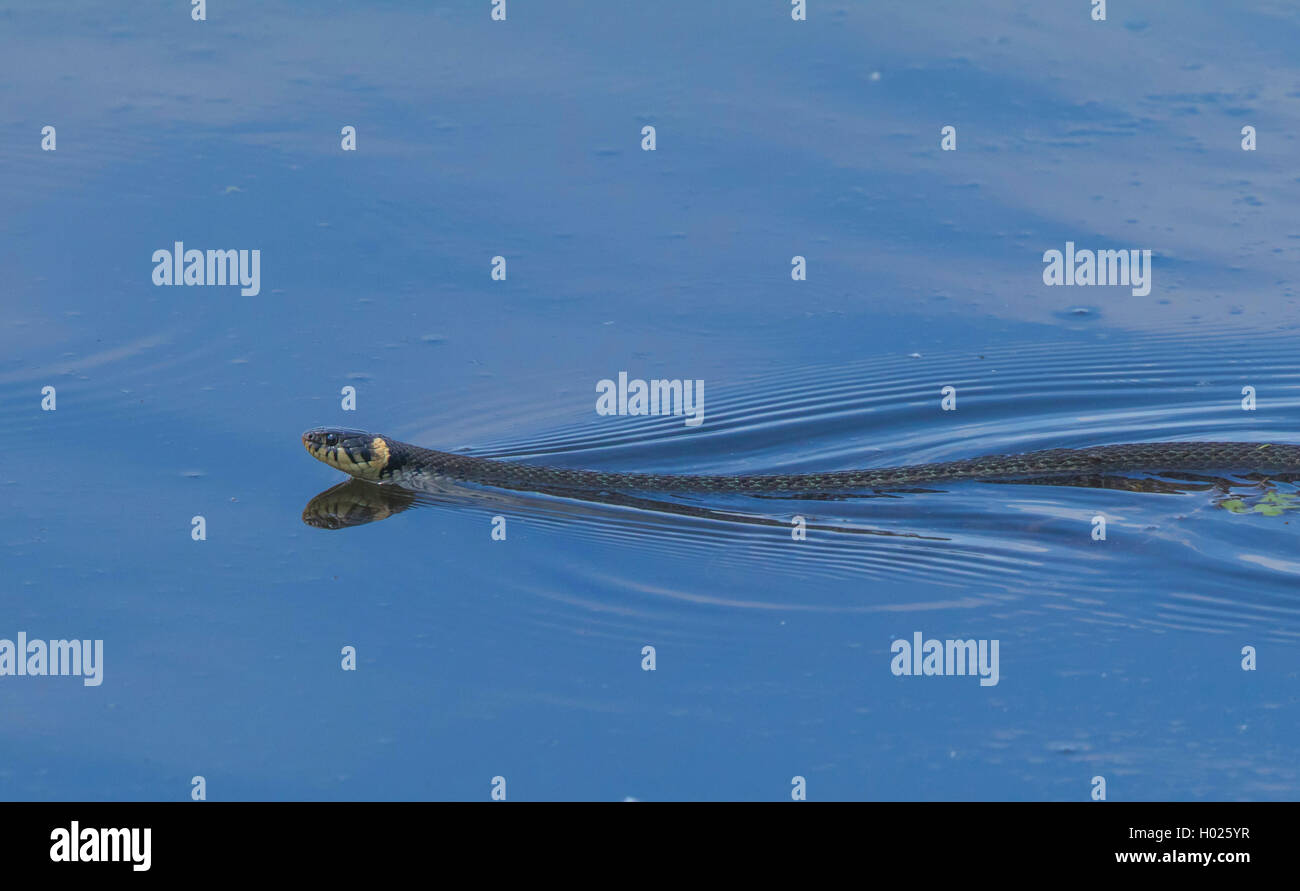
[522, 658]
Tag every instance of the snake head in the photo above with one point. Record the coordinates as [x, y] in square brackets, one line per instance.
[356, 452]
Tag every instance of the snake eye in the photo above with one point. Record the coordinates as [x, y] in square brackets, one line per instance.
[331, 439]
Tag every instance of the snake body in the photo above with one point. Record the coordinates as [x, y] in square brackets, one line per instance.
[381, 459]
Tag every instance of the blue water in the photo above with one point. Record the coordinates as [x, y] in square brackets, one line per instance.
[522, 658]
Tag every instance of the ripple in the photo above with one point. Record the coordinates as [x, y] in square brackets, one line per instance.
[1201, 554]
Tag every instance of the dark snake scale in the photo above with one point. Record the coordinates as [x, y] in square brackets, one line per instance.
[380, 459]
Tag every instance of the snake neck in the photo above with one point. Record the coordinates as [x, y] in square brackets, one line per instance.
[407, 463]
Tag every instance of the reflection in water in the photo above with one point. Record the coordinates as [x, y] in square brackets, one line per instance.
[997, 539]
[358, 502]
[355, 503]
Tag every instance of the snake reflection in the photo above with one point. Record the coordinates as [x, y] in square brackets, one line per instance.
[412, 475]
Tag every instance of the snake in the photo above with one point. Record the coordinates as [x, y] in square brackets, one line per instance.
[384, 460]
